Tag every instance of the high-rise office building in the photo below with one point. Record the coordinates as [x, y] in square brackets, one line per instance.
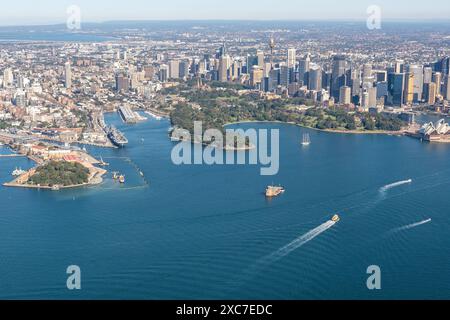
[372, 97]
[345, 95]
[8, 77]
[261, 58]
[399, 66]
[409, 88]
[315, 78]
[427, 75]
[274, 78]
[256, 76]
[446, 88]
[396, 83]
[430, 93]
[303, 68]
[380, 76]
[223, 68]
[437, 79]
[367, 71]
[122, 82]
[284, 76]
[184, 69]
[174, 69]
[292, 58]
[417, 71]
[338, 75]
[163, 73]
[67, 75]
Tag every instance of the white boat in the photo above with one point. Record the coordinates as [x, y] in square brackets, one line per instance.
[306, 140]
[18, 172]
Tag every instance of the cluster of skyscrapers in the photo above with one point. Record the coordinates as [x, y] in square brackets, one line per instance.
[338, 81]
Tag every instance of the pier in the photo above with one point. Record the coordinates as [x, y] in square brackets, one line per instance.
[12, 156]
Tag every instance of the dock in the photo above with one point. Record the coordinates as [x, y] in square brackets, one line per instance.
[12, 156]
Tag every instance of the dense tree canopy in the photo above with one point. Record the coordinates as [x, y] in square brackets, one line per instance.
[60, 173]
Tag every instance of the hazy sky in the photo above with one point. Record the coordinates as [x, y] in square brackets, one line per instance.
[25, 12]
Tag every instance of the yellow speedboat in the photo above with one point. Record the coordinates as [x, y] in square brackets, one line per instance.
[336, 218]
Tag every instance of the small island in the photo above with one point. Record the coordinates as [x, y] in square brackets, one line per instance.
[59, 173]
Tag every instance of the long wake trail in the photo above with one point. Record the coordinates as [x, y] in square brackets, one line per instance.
[297, 243]
[412, 226]
[395, 185]
[270, 259]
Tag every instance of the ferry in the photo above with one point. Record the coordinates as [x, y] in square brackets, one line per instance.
[336, 218]
[273, 191]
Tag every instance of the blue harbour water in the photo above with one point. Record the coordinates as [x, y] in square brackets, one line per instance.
[207, 232]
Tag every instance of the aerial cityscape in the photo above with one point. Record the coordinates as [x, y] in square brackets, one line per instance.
[113, 153]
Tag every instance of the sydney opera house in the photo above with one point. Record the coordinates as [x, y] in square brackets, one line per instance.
[435, 131]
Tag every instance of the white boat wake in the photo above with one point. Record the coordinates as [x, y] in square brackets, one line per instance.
[394, 185]
[412, 226]
[299, 242]
[268, 260]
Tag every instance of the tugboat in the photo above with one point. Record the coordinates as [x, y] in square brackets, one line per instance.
[273, 191]
[336, 218]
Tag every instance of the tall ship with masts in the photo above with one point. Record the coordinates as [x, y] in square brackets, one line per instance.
[306, 140]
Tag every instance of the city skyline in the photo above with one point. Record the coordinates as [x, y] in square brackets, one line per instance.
[101, 11]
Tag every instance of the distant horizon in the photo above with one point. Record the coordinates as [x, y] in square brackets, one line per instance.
[392, 20]
[50, 12]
